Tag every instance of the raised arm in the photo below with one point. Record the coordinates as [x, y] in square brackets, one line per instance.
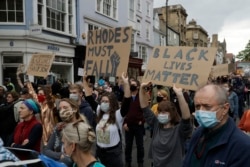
[32, 92]
[127, 95]
[185, 112]
[20, 70]
[143, 95]
[88, 93]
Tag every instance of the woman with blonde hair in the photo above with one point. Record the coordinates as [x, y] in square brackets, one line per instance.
[78, 139]
[68, 112]
[162, 95]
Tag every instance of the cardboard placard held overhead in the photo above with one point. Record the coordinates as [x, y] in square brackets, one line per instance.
[220, 70]
[186, 67]
[108, 51]
[40, 64]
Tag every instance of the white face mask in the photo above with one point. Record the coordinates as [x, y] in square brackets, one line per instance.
[163, 118]
[104, 107]
[74, 96]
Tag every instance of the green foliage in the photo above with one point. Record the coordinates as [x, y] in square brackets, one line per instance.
[244, 55]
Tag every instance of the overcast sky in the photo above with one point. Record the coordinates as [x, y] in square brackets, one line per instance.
[230, 19]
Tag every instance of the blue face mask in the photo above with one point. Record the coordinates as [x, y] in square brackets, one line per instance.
[163, 118]
[206, 119]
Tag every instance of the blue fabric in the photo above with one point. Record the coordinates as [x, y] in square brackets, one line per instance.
[101, 82]
[234, 103]
[6, 154]
[50, 162]
[232, 148]
[32, 105]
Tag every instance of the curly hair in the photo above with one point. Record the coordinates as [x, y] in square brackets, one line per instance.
[113, 106]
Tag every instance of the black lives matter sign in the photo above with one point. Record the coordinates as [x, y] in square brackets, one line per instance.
[186, 67]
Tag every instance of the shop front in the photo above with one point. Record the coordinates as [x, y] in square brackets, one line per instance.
[14, 52]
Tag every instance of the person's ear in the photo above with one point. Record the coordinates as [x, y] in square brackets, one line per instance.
[73, 147]
[226, 107]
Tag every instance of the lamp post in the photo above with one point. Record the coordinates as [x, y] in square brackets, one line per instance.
[166, 8]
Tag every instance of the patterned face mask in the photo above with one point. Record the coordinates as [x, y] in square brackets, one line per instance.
[66, 115]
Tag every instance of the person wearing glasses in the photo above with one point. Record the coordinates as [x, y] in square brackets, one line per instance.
[78, 139]
[217, 141]
[68, 112]
[109, 125]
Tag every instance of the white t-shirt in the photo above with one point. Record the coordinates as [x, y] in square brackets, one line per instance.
[108, 136]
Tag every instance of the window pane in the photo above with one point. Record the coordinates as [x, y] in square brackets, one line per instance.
[98, 5]
[59, 5]
[11, 5]
[58, 26]
[40, 20]
[19, 16]
[3, 5]
[48, 13]
[19, 5]
[53, 15]
[63, 26]
[3, 16]
[11, 16]
[12, 59]
[54, 4]
[48, 22]
[53, 23]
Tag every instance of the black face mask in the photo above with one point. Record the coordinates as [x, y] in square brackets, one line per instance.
[159, 86]
[159, 99]
[133, 88]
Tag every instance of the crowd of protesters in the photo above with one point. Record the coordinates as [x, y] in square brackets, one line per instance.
[85, 123]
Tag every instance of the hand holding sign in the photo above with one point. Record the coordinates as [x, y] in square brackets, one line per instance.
[20, 69]
[143, 95]
[177, 90]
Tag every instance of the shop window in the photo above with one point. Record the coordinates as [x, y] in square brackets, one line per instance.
[12, 59]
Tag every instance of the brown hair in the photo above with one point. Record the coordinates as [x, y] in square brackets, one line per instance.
[14, 95]
[113, 106]
[76, 86]
[169, 107]
[48, 94]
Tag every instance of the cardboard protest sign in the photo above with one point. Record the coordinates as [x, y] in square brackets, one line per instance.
[219, 70]
[40, 64]
[186, 67]
[108, 51]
